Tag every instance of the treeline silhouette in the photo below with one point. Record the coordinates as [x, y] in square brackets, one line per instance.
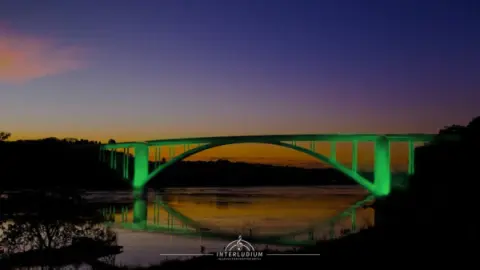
[52, 162]
[74, 163]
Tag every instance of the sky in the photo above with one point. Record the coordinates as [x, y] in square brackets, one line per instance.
[141, 70]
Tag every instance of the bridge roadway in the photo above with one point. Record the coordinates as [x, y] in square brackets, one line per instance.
[281, 138]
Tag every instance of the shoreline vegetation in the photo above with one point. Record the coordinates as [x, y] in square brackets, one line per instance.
[432, 219]
[46, 163]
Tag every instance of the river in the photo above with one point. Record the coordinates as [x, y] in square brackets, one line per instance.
[264, 210]
[261, 210]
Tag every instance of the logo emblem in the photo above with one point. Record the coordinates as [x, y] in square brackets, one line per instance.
[239, 250]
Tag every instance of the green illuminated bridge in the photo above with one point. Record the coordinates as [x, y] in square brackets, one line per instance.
[135, 163]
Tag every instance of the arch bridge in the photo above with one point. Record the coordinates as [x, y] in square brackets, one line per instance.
[134, 160]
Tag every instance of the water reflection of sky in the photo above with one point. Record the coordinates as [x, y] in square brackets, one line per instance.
[263, 210]
[266, 210]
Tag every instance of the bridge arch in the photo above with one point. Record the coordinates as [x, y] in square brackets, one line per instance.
[368, 185]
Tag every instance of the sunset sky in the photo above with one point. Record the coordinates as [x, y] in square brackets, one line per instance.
[139, 70]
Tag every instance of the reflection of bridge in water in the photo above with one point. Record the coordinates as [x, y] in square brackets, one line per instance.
[132, 159]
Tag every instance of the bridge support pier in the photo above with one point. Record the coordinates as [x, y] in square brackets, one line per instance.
[140, 195]
[382, 173]
[140, 204]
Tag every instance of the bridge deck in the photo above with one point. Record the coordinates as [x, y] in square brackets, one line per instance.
[292, 137]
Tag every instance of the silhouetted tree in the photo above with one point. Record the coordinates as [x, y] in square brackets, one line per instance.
[71, 140]
[50, 220]
[453, 129]
[474, 130]
[474, 124]
[450, 134]
[458, 133]
[111, 141]
[4, 135]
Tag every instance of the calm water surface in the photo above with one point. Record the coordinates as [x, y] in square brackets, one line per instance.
[263, 210]
[266, 210]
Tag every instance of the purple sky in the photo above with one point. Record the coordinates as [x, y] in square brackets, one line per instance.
[154, 69]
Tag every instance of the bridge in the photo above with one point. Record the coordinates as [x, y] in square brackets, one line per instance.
[133, 160]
